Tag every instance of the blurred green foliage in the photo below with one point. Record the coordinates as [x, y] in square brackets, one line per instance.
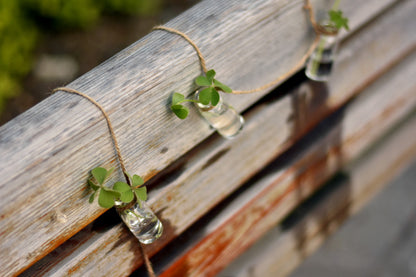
[23, 21]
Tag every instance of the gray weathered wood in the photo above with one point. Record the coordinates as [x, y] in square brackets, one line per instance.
[298, 175]
[46, 153]
[178, 210]
[278, 253]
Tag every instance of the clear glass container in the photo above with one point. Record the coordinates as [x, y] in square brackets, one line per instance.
[141, 220]
[320, 62]
[222, 117]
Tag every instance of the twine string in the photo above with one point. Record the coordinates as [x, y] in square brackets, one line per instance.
[318, 31]
[146, 259]
[198, 51]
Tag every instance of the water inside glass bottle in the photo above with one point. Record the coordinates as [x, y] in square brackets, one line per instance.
[222, 117]
[141, 221]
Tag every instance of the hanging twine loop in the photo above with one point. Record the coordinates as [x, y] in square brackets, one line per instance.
[146, 259]
[198, 51]
[318, 31]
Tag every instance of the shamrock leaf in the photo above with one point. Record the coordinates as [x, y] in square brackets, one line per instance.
[180, 111]
[202, 81]
[127, 196]
[210, 76]
[121, 187]
[205, 96]
[100, 174]
[106, 198]
[92, 185]
[92, 197]
[220, 86]
[137, 181]
[215, 97]
[337, 18]
[141, 193]
[177, 98]
[126, 193]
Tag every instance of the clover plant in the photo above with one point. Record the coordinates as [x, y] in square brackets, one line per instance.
[120, 191]
[208, 94]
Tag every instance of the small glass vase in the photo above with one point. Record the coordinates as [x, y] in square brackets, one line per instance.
[141, 220]
[320, 62]
[222, 117]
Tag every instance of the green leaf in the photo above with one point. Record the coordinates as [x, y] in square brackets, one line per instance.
[121, 187]
[210, 76]
[205, 96]
[92, 185]
[137, 181]
[180, 111]
[177, 97]
[141, 193]
[127, 196]
[100, 174]
[202, 81]
[106, 198]
[92, 197]
[221, 86]
[110, 171]
[215, 97]
[116, 193]
[337, 18]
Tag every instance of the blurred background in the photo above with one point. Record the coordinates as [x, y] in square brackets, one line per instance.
[48, 43]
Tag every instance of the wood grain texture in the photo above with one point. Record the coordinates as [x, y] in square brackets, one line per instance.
[279, 252]
[299, 174]
[212, 172]
[174, 204]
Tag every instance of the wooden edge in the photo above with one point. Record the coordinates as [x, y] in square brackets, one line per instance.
[281, 252]
[217, 244]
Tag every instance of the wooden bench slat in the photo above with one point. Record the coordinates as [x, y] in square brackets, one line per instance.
[47, 151]
[217, 243]
[173, 202]
[279, 252]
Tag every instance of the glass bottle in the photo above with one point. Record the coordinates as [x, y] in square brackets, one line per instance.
[222, 117]
[320, 62]
[141, 220]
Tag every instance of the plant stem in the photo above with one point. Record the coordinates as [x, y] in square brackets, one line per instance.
[335, 6]
[317, 56]
[188, 100]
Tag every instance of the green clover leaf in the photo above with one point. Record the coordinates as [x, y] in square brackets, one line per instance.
[92, 197]
[202, 81]
[215, 97]
[137, 181]
[210, 76]
[180, 111]
[338, 19]
[177, 98]
[141, 193]
[92, 185]
[106, 198]
[220, 86]
[99, 174]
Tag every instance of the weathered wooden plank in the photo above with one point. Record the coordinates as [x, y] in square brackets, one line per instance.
[49, 149]
[298, 175]
[226, 170]
[279, 252]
